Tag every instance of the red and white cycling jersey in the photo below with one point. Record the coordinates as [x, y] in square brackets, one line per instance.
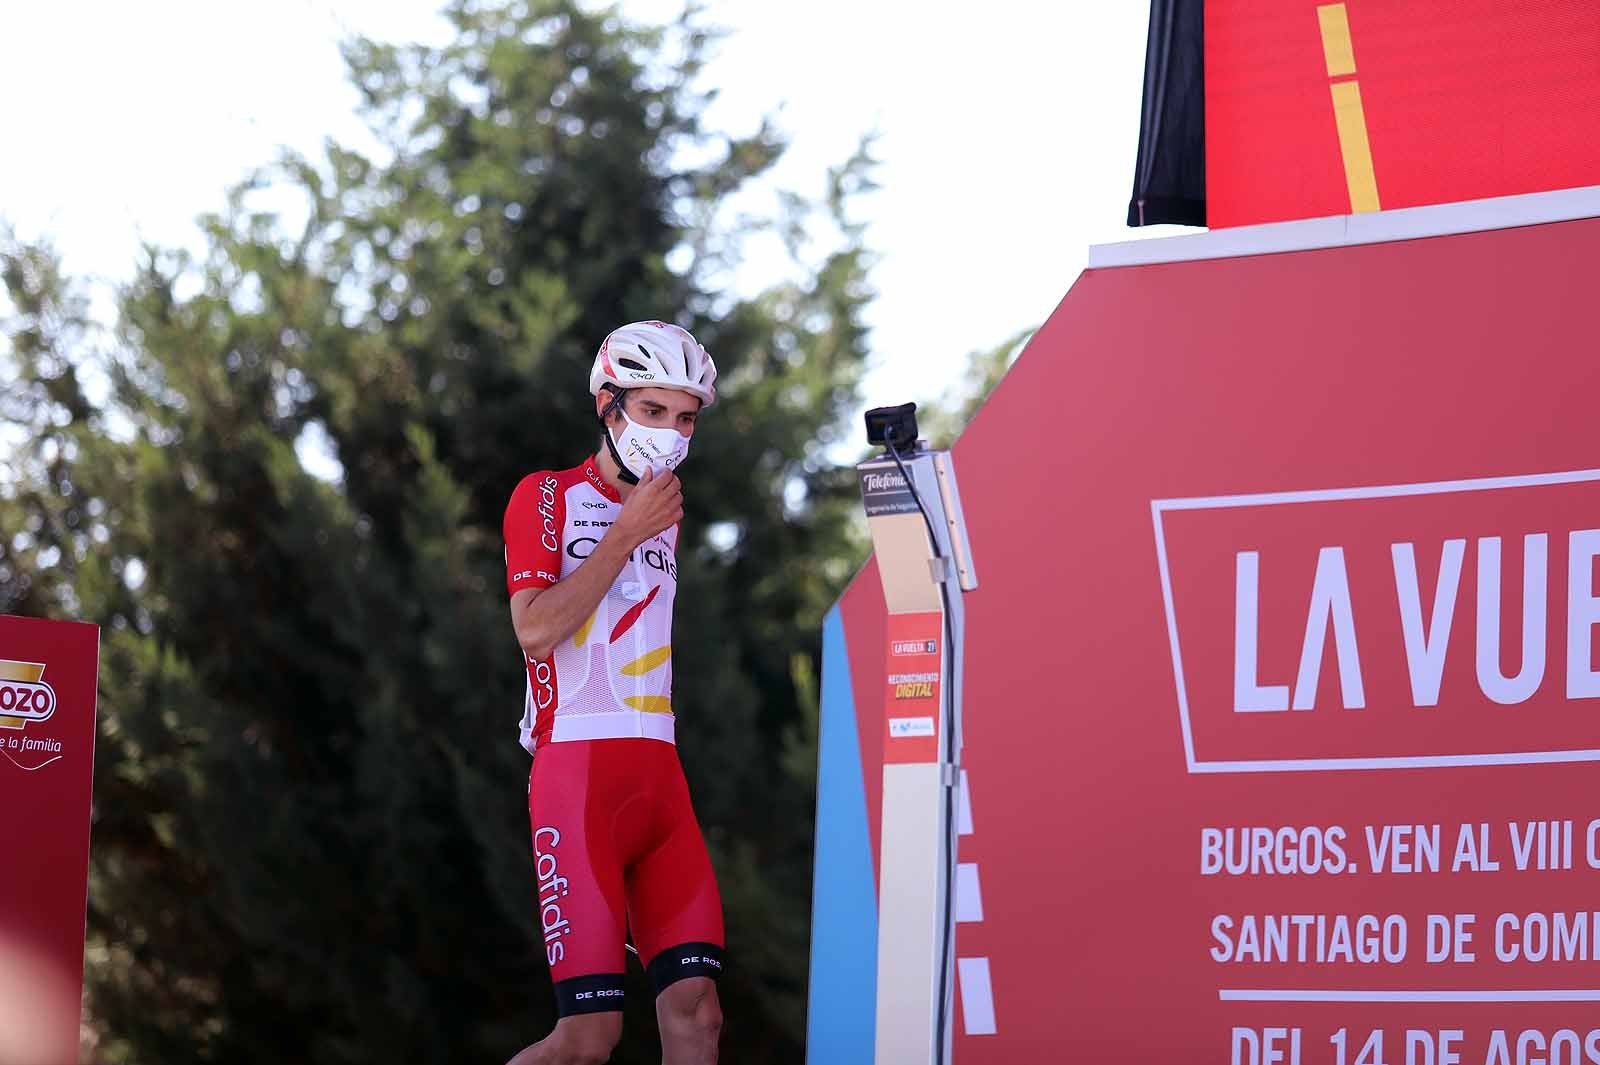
[613, 677]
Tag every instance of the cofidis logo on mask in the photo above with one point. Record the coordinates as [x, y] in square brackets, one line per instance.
[1394, 626]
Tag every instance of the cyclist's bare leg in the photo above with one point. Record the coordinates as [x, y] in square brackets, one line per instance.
[691, 1021]
[582, 1039]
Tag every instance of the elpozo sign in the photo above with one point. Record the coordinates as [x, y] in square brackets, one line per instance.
[48, 680]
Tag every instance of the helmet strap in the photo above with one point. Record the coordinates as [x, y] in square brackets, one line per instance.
[625, 475]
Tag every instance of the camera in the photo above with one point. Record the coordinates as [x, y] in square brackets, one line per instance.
[894, 427]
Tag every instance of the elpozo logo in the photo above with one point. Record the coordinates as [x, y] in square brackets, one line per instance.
[24, 696]
[25, 699]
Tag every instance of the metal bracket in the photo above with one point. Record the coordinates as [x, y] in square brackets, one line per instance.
[940, 569]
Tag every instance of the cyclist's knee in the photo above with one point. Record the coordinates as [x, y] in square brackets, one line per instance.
[691, 1008]
[588, 1039]
[597, 1053]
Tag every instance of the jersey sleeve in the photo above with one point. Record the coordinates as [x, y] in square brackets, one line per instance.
[534, 519]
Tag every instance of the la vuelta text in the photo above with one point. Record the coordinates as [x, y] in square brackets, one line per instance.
[1415, 1046]
[1426, 628]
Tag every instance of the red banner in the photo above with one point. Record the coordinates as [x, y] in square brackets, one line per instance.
[911, 696]
[1319, 109]
[48, 672]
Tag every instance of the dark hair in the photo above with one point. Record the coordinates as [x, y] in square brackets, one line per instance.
[618, 398]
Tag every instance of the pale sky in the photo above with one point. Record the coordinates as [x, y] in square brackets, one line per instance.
[1008, 134]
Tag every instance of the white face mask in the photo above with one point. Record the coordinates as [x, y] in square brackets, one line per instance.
[642, 447]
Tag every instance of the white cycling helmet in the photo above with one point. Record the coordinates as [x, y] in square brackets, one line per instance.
[654, 355]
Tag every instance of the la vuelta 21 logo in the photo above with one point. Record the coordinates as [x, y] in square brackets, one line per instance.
[25, 699]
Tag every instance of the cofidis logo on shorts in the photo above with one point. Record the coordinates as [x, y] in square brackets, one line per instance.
[1391, 626]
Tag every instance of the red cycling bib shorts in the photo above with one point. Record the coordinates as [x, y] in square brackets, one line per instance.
[616, 846]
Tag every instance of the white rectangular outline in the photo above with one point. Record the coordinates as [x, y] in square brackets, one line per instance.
[963, 807]
[969, 894]
[1559, 995]
[1301, 765]
[977, 997]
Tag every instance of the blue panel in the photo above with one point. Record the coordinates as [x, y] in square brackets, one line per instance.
[842, 1012]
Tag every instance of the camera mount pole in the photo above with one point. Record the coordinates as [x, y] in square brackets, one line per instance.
[925, 563]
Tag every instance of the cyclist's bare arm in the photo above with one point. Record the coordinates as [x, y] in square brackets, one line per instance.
[544, 617]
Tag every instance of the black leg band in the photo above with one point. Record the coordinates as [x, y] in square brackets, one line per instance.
[601, 993]
[683, 961]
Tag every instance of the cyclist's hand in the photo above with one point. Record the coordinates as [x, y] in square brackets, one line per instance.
[654, 505]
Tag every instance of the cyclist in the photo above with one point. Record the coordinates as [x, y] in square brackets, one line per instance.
[591, 568]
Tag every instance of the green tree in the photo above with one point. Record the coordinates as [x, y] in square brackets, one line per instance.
[311, 840]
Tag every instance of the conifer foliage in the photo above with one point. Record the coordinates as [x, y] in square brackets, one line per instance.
[278, 486]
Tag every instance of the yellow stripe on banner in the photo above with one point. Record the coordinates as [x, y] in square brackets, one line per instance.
[1352, 123]
[583, 630]
[29, 672]
[1336, 46]
[650, 704]
[647, 661]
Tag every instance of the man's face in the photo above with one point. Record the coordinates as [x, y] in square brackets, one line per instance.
[658, 408]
